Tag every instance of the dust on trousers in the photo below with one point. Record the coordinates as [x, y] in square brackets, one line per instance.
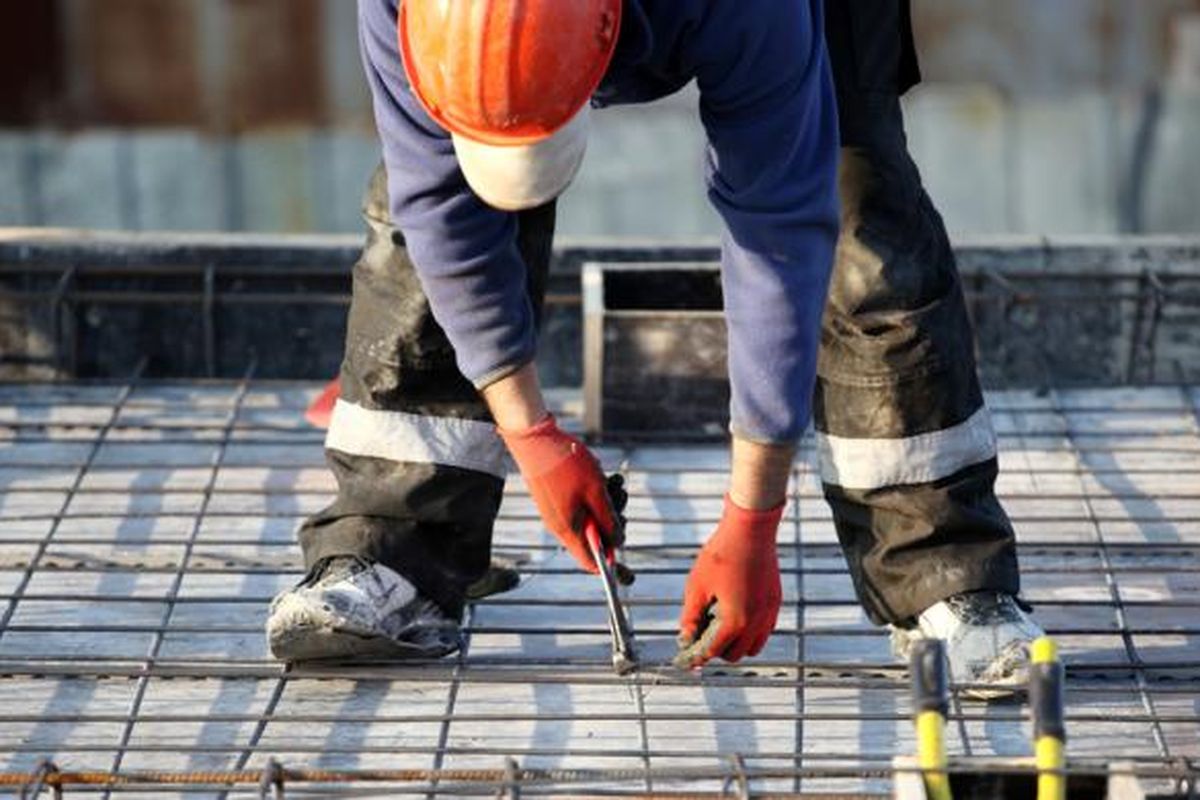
[907, 451]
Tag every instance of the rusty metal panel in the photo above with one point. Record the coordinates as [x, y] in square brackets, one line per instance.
[31, 68]
[275, 67]
[245, 64]
[1019, 45]
[137, 61]
[348, 95]
[1038, 47]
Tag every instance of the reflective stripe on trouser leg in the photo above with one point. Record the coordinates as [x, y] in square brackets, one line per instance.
[416, 438]
[906, 446]
[419, 467]
[878, 463]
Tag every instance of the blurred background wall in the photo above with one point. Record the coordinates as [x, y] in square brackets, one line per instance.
[1037, 116]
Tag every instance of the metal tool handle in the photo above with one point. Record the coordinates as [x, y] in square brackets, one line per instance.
[624, 653]
[599, 551]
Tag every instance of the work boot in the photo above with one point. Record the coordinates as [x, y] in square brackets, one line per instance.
[348, 607]
[987, 636]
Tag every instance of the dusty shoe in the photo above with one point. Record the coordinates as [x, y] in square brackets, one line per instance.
[987, 636]
[349, 608]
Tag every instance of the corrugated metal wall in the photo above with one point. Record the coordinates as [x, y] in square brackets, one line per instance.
[218, 65]
[1037, 116]
[233, 65]
[1049, 47]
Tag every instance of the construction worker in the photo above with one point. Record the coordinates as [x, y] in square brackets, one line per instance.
[482, 107]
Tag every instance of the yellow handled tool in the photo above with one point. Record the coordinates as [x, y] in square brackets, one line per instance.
[1049, 731]
[930, 705]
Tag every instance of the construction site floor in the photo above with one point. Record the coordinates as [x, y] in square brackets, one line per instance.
[145, 526]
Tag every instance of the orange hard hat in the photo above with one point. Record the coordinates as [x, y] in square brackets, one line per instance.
[506, 72]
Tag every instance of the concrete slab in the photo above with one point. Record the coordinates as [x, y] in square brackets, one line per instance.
[195, 725]
[25, 743]
[299, 733]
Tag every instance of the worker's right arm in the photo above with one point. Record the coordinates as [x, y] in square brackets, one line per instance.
[465, 252]
[466, 256]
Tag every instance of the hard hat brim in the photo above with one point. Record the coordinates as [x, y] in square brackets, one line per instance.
[517, 177]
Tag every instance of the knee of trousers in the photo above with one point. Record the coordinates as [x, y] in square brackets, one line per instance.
[397, 356]
[895, 301]
[893, 318]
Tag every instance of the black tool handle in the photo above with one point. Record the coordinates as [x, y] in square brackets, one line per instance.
[1047, 700]
[927, 664]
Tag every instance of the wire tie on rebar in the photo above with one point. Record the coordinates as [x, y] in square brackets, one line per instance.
[271, 784]
[739, 777]
[512, 780]
[37, 781]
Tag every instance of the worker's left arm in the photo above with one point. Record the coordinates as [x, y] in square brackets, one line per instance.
[768, 107]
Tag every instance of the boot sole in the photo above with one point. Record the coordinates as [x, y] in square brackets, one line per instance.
[313, 643]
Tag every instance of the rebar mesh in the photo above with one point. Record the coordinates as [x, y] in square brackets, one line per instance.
[145, 525]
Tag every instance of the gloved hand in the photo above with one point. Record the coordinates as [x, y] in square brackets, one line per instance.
[733, 592]
[567, 485]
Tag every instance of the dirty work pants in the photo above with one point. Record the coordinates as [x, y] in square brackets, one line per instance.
[905, 445]
[906, 449]
[419, 467]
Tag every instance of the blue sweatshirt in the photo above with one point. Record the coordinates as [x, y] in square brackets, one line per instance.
[768, 108]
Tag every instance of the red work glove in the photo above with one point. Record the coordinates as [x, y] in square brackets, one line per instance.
[733, 592]
[568, 486]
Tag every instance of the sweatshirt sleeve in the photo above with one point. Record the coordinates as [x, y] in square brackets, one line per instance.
[768, 107]
[464, 252]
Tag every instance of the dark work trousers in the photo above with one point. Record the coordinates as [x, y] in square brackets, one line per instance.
[906, 447]
[419, 467]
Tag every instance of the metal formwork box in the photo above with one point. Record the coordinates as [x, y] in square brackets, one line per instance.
[654, 350]
[1069, 314]
[1016, 778]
